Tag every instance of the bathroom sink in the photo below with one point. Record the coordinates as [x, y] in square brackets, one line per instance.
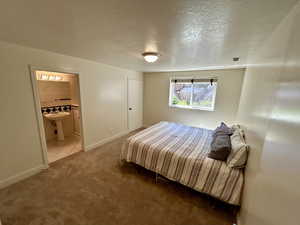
[57, 116]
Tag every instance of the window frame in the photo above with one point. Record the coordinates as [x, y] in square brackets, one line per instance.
[191, 106]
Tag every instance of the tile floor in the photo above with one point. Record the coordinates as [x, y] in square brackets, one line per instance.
[61, 149]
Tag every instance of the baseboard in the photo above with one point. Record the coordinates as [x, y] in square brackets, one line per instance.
[106, 140]
[25, 174]
[21, 176]
[238, 219]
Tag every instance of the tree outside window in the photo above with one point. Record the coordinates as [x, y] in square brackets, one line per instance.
[193, 94]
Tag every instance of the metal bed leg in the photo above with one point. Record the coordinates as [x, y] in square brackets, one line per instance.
[121, 163]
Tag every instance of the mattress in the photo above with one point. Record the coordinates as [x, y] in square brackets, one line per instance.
[179, 153]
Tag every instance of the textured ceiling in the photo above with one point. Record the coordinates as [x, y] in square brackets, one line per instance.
[188, 34]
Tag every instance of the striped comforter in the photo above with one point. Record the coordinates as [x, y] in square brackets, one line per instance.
[179, 153]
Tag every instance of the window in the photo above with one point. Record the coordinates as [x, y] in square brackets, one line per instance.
[193, 93]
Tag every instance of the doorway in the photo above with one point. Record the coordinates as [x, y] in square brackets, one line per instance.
[135, 104]
[58, 107]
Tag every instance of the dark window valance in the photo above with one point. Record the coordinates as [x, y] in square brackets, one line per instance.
[182, 80]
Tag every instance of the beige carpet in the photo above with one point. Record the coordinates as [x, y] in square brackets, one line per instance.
[92, 188]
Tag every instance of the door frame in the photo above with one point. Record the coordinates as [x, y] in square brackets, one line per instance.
[37, 105]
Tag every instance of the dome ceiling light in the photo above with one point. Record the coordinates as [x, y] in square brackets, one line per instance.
[150, 57]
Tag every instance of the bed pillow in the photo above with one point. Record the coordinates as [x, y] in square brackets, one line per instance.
[223, 129]
[220, 147]
[238, 127]
[235, 127]
[239, 153]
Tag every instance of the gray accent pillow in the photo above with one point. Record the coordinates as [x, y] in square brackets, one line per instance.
[223, 129]
[220, 147]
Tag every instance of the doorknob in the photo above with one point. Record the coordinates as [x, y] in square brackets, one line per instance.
[130, 108]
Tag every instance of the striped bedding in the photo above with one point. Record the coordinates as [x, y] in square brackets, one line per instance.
[179, 153]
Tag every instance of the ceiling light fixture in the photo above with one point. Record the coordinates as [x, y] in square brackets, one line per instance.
[150, 56]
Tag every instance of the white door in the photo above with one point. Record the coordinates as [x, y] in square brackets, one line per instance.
[135, 104]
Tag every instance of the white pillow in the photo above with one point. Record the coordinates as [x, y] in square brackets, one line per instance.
[239, 150]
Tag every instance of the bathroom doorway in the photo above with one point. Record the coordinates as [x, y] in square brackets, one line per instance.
[58, 106]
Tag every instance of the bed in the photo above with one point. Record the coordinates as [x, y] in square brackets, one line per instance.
[179, 153]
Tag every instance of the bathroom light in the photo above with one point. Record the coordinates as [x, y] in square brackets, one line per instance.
[52, 78]
[150, 56]
[58, 78]
[44, 77]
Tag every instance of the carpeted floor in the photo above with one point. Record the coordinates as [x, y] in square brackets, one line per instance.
[93, 188]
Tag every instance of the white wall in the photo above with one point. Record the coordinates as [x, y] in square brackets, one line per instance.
[156, 97]
[270, 113]
[104, 105]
